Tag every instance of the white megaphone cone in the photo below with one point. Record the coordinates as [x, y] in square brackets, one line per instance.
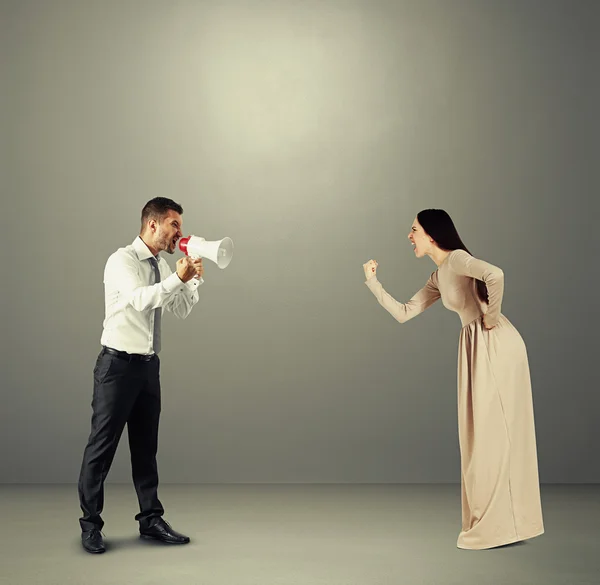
[220, 252]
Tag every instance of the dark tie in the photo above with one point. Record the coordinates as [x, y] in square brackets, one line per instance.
[158, 310]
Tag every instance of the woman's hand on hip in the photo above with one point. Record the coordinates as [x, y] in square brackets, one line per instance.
[486, 324]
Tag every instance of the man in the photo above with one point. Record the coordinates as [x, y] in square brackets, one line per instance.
[138, 287]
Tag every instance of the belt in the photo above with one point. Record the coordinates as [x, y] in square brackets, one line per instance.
[130, 357]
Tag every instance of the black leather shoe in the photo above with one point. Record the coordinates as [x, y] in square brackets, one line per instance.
[92, 541]
[163, 532]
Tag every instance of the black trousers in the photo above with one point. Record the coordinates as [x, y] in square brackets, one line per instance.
[125, 392]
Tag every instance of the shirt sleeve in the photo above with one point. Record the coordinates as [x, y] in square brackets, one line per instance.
[403, 312]
[184, 298]
[122, 276]
[463, 263]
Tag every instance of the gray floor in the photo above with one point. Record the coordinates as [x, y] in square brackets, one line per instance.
[292, 535]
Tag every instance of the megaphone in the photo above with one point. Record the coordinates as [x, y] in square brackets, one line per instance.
[220, 252]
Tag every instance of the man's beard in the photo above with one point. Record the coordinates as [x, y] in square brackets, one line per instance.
[165, 245]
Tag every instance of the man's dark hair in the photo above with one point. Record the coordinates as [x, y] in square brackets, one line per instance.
[157, 208]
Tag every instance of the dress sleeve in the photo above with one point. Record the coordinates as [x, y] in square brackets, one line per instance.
[463, 263]
[402, 312]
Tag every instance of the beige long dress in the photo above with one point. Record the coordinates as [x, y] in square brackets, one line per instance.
[500, 499]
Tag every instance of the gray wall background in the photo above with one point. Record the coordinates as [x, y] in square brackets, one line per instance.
[311, 133]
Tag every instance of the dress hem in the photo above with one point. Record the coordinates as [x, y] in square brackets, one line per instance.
[501, 543]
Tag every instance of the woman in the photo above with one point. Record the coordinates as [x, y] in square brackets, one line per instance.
[499, 472]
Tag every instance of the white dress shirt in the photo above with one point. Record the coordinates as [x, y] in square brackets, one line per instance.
[130, 299]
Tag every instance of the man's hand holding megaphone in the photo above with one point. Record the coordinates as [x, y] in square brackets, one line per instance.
[188, 268]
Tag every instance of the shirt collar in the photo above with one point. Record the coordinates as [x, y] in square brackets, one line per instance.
[142, 250]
